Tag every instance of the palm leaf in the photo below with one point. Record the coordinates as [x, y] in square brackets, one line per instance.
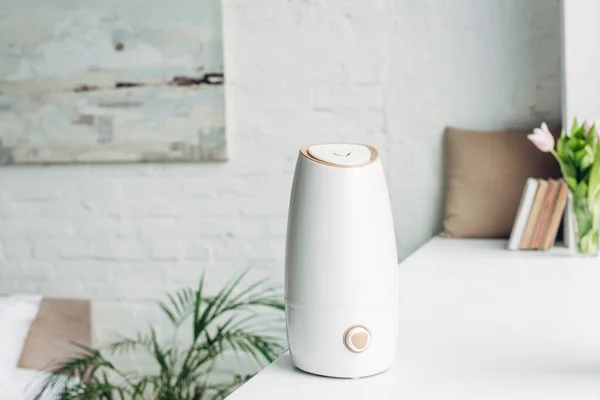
[160, 356]
[254, 295]
[179, 306]
[197, 306]
[225, 301]
[139, 388]
[128, 345]
[214, 305]
[258, 346]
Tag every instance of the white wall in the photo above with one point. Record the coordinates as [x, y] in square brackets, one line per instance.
[581, 40]
[388, 73]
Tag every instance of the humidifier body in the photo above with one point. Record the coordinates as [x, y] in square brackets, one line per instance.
[341, 264]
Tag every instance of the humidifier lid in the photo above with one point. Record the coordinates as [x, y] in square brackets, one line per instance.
[341, 153]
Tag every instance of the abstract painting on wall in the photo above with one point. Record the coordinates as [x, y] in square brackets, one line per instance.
[86, 81]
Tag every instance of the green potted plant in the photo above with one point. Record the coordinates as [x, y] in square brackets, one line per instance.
[226, 322]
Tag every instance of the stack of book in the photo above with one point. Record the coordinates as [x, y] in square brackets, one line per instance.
[542, 207]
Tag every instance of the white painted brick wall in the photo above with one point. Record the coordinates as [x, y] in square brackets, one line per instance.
[389, 73]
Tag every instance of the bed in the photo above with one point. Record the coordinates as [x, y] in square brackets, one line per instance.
[58, 322]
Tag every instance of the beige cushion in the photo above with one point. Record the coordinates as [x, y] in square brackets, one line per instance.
[485, 176]
[58, 322]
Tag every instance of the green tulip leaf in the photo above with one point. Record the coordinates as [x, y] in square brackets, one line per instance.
[575, 126]
[585, 157]
[579, 155]
[587, 161]
[580, 133]
[560, 146]
[585, 175]
[567, 168]
[591, 137]
[594, 197]
[571, 159]
[594, 179]
[582, 190]
[571, 183]
[575, 144]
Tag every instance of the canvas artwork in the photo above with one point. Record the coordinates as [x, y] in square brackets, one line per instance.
[111, 81]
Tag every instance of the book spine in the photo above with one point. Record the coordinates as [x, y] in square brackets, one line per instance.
[536, 208]
[542, 224]
[523, 212]
[555, 216]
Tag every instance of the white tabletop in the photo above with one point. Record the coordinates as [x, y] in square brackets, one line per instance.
[477, 322]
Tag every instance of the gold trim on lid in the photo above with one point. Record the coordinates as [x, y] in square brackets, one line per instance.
[374, 155]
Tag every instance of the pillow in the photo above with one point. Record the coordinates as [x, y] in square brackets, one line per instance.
[17, 313]
[59, 322]
[485, 176]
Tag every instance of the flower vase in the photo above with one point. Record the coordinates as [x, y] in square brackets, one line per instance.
[586, 226]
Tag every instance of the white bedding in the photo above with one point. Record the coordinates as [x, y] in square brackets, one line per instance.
[22, 384]
[17, 313]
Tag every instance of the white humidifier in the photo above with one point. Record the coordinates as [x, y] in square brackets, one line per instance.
[341, 263]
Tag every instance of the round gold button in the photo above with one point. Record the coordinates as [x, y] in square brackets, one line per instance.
[357, 338]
